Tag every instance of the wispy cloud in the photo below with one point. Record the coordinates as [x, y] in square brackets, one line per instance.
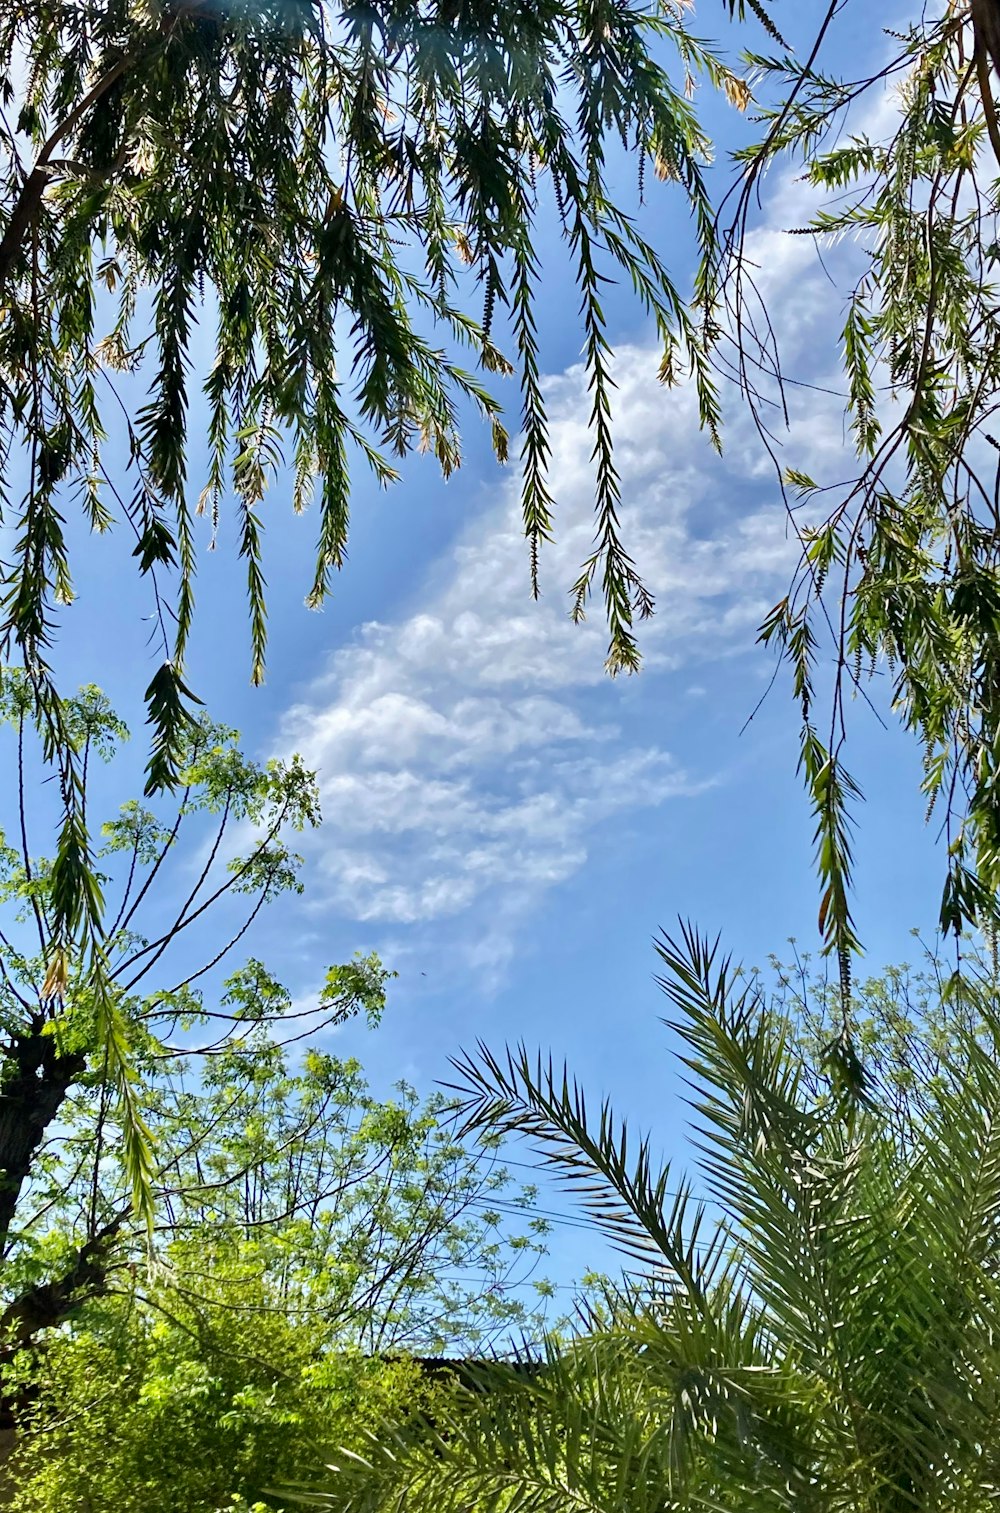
[470, 752]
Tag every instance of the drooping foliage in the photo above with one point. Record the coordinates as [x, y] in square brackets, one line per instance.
[898, 572]
[285, 219]
[269, 227]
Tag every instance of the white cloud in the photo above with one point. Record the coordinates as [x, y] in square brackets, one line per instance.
[469, 752]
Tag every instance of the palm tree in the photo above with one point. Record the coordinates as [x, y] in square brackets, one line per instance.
[830, 1342]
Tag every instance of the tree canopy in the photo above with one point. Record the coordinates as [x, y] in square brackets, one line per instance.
[309, 1239]
[394, 164]
[270, 242]
[204, 1211]
[130, 984]
[195, 1416]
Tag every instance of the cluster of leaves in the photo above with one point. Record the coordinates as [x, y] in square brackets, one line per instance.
[310, 180]
[195, 1407]
[294, 1181]
[899, 564]
[288, 1222]
[819, 1331]
[109, 1004]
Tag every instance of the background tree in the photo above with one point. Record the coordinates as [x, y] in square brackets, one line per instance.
[185, 1171]
[190, 1418]
[311, 1239]
[285, 1178]
[828, 1341]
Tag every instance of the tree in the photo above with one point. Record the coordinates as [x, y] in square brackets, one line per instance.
[310, 1238]
[898, 566]
[86, 1037]
[308, 180]
[373, 145]
[290, 1182]
[179, 1154]
[190, 1420]
[829, 1341]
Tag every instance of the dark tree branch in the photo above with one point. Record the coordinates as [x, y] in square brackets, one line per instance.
[986, 30]
[36, 1079]
[986, 23]
[29, 201]
[51, 1303]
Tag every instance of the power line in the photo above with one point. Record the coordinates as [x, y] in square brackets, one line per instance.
[565, 1221]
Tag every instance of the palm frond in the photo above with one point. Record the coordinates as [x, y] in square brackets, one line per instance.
[613, 1176]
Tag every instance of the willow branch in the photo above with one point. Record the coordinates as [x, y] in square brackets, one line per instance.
[29, 201]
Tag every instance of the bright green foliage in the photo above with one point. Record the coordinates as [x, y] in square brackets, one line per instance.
[176, 1405]
[284, 1176]
[821, 1334]
[300, 1227]
[309, 1235]
[275, 214]
[899, 565]
[268, 1177]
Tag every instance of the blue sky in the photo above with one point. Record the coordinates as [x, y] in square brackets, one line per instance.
[503, 823]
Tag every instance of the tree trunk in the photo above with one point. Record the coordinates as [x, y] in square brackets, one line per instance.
[986, 22]
[35, 1082]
